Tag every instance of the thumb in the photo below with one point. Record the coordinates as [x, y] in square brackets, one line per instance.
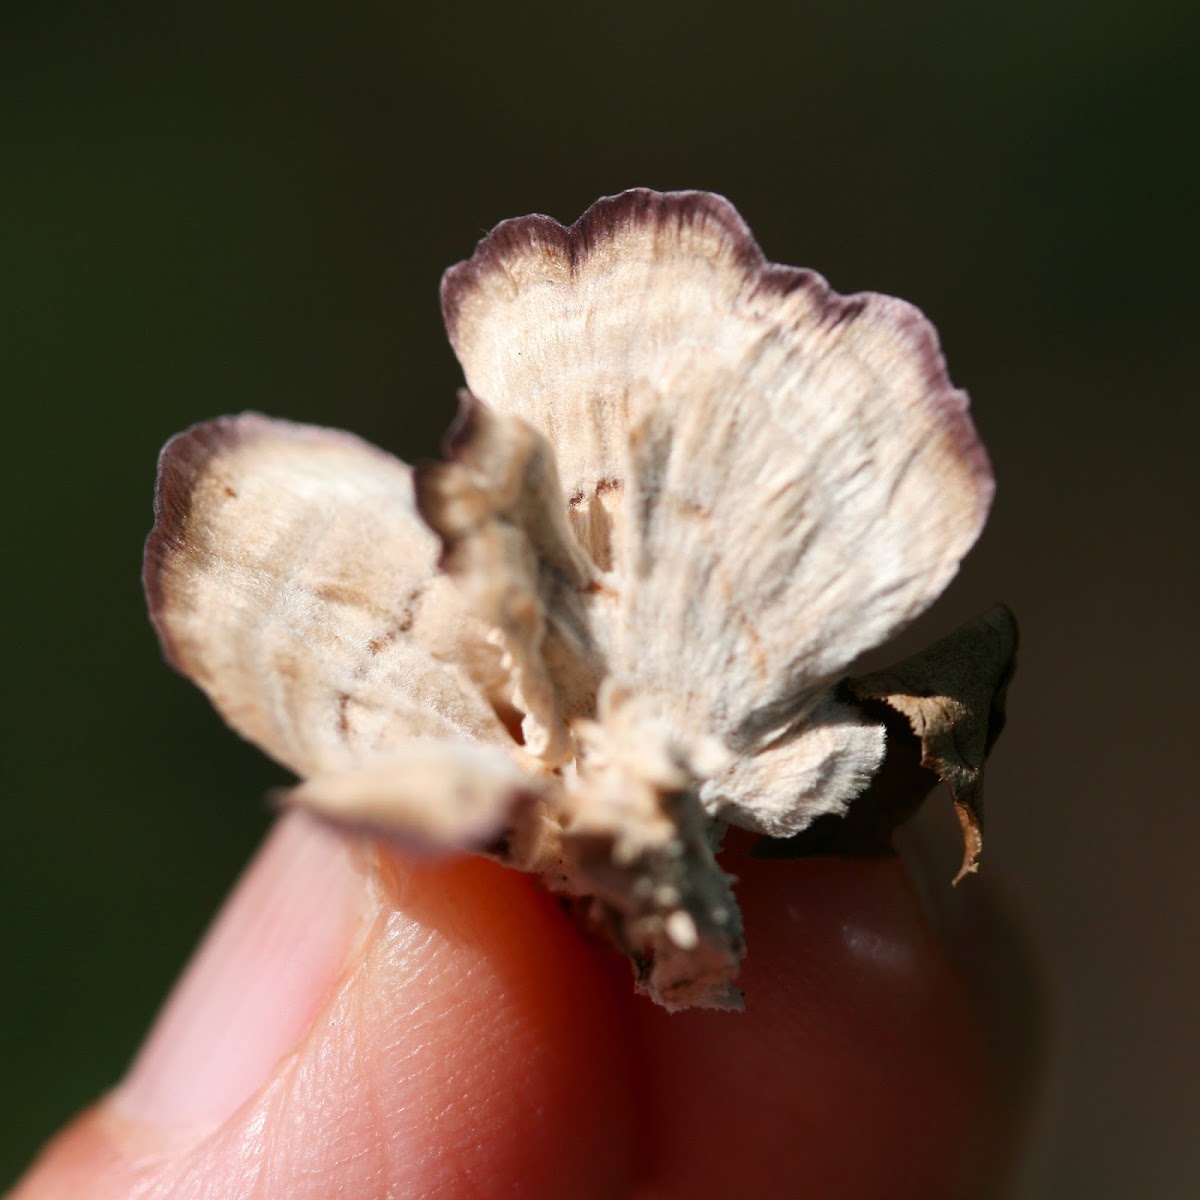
[354, 1025]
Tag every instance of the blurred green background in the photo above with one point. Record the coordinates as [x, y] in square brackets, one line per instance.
[205, 209]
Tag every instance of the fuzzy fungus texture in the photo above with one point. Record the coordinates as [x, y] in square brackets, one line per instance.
[686, 489]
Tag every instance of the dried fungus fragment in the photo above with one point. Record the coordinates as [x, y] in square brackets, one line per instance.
[686, 490]
[498, 508]
[484, 797]
[953, 695]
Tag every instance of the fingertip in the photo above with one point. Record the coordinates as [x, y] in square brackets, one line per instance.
[856, 1069]
[471, 1045]
[526, 1050]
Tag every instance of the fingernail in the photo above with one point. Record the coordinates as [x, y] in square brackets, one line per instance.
[260, 976]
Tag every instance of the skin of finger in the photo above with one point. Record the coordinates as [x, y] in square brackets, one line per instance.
[857, 1070]
[455, 1057]
[854, 1072]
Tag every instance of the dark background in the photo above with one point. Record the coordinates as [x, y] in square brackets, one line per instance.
[224, 208]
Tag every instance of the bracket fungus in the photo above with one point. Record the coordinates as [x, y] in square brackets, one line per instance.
[687, 488]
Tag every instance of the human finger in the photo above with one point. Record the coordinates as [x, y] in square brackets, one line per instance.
[859, 1069]
[357, 1025]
